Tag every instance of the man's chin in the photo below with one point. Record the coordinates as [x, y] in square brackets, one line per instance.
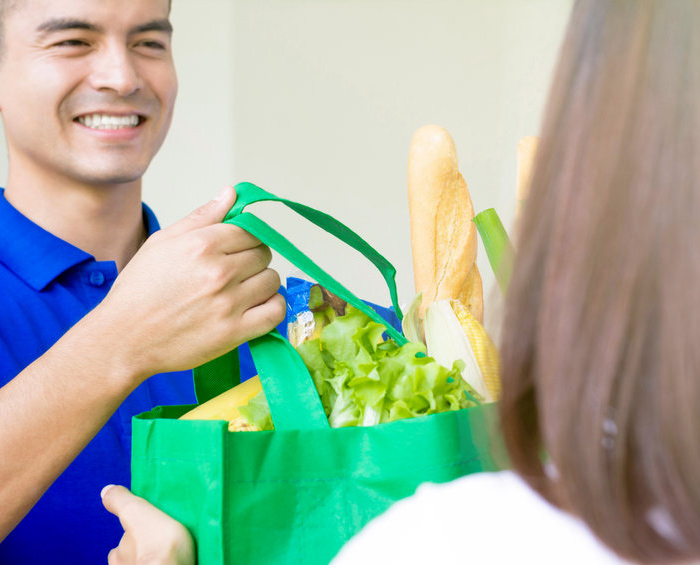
[114, 177]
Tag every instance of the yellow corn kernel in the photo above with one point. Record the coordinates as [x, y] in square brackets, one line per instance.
[484, 349]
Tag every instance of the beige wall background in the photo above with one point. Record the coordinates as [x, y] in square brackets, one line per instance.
[317, 101]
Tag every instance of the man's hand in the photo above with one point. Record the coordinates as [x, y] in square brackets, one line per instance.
[150, 536]
[195, 290]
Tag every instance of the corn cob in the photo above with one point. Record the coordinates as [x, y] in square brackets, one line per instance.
[484, 349]
[450, 331]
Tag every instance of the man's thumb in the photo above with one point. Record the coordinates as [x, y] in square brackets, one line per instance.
[115, 497]
[213, 212]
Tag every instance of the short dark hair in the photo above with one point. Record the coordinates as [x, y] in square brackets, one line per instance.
[600, 353]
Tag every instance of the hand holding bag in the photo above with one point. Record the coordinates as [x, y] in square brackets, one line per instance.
[296, 494]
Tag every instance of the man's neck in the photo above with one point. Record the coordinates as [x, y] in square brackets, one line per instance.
[103, 220]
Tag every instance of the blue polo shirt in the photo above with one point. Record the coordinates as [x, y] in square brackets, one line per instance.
[46, 286]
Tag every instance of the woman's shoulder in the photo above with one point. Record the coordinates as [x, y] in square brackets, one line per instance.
[490, 517]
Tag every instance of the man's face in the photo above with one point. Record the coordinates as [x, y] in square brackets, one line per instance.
[87, 87]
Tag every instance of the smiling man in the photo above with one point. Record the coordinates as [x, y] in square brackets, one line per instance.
[92, 307]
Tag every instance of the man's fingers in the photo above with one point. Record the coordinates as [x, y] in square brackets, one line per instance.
[150, 535]
[259, 287]
[124, 505]
[115, 498]
[241, 266]
[213, 212]
[124, 553]
[231, 239]
[262, 318]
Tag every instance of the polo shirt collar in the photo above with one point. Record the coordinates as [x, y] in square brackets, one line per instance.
[37, 256]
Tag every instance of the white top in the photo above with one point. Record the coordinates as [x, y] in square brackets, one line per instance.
[482, 518]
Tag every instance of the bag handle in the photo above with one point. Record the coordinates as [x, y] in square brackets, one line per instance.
[289, 389]
[293, 400]
[249, 193]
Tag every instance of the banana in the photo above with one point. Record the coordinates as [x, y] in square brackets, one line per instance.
[225, 406]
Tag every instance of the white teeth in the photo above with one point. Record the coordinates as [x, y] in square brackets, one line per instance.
[105, 121]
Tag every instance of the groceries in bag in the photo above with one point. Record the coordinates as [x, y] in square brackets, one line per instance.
[447, 313]
[362, 378]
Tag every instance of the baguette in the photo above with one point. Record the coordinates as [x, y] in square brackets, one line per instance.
[443, 236]
[527, 147]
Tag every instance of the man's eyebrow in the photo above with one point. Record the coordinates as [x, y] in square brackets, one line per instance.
[163, 25]
[61, 24]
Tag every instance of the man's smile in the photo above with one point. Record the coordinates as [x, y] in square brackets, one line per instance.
[110, 121]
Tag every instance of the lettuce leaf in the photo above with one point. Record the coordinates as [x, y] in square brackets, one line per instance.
[364, 379]
[257, 412]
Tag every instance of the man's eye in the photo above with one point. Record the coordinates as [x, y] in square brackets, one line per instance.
[151, 44]
[72, 43]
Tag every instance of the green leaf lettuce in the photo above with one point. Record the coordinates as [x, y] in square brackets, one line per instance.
[364, 380]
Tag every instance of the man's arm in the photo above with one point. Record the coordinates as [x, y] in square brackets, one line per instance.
[194, 291]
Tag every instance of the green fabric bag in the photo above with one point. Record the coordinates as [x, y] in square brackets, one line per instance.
[296, 494]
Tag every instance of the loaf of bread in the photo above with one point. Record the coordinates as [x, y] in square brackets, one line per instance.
[443, 236]
[527, 148]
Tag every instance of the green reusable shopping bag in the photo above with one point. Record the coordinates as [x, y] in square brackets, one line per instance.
[296, 494]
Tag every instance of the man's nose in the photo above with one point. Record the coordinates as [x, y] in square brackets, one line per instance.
[115, 70]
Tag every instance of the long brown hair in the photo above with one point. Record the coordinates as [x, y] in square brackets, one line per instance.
[601, 335]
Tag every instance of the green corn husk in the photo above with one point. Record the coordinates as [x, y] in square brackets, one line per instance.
[498, 247]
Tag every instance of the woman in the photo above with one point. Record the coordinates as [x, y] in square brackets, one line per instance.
[601, 336]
